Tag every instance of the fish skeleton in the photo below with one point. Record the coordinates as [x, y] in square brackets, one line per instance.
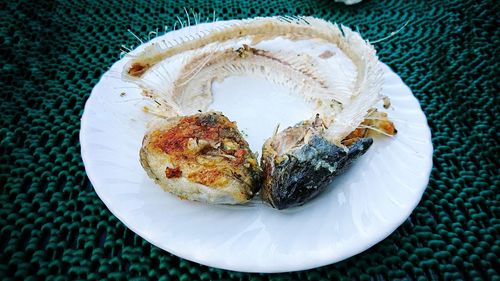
[298, 162]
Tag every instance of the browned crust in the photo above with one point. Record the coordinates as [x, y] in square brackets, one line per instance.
[204, 148]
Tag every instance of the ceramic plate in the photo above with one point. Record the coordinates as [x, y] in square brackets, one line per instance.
[361, 208]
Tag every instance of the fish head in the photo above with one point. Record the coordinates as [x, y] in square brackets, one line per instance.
[299, 163]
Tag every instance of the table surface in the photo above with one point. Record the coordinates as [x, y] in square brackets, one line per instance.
[53, 225]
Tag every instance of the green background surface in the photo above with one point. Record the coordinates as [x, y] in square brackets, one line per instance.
[54, 226]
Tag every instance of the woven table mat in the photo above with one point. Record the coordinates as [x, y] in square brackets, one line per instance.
[53, 225]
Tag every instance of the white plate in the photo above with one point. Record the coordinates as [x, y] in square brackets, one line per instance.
[363, 206]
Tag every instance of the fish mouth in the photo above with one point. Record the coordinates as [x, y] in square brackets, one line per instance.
[299, 166]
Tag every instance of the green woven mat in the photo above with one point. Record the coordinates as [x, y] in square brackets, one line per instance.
[54, 226]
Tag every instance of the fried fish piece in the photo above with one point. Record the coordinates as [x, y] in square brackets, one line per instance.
[201, 157]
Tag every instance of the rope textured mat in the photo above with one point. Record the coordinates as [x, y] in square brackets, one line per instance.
[53, 225]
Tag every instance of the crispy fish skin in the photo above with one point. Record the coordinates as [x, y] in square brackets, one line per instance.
[201, 157]
[299, 174]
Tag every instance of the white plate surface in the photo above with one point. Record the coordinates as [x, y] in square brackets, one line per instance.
[361, 208]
